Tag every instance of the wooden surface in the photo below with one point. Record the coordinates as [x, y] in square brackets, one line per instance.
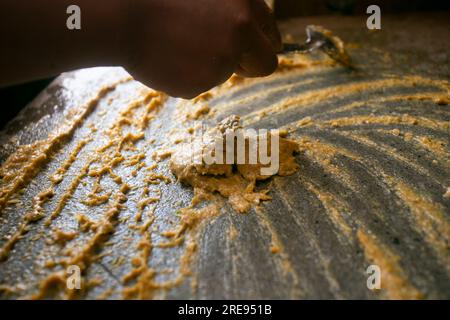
[374, 168]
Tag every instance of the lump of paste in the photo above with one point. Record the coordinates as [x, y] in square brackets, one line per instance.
[234, 175]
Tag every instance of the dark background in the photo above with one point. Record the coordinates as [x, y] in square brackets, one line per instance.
[296, 8]
[14, 98]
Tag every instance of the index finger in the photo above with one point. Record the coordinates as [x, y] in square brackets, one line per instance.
[266, 21]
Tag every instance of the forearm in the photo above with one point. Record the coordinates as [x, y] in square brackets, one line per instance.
[36, 42]
[177, 46]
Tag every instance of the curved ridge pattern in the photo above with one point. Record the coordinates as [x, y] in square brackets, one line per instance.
[372, 189]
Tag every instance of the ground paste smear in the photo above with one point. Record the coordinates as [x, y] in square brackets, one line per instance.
[139, 282]
[234, 181]
[89, 155]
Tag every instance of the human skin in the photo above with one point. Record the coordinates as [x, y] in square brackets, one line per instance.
[180, 47]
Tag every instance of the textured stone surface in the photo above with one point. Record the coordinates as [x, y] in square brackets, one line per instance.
[375, 165]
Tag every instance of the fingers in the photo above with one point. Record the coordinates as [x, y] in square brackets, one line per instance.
[261, 41]
[266, 21]
[259, 57]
